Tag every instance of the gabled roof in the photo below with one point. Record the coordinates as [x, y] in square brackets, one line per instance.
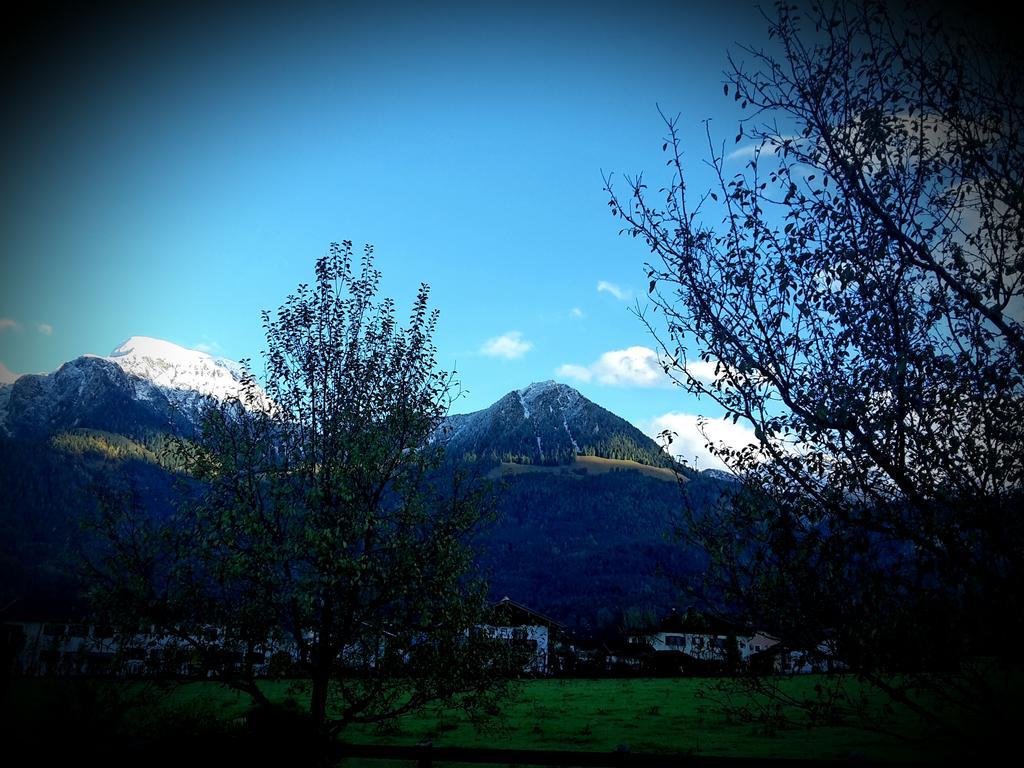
[508, 612]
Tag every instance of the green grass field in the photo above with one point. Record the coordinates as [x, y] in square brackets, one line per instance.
[650, 715]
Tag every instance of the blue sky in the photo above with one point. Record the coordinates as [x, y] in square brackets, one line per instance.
[173, 174]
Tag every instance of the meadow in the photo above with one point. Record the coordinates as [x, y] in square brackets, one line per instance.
[662, 715]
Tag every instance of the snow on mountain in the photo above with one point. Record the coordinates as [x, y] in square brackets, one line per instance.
[143, 382]
[562, 395]
[720, 474]
[546, 423]
[182, 374]
[187, 377]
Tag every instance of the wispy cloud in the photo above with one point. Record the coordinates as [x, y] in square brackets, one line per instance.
[510, 345]
[689, 443]
[622, 294]
[630, 367]
[45, 328]
[7, 324]
[745, 153]
[210, 346]
[769, 147]
[6, 375]
[576, 312]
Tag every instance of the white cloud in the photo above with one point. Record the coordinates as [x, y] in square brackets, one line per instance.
[570, 371]
[630, 367]
[576, 312]
[701, 370]
[45, 328]
[639, 367]
[7, 324]
[705, 371]
[622, 294]
[6, 376]
[510, 346]
[688, 442]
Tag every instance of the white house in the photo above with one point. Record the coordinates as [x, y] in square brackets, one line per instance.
[788, 660]
[703, 639]
[533, 631]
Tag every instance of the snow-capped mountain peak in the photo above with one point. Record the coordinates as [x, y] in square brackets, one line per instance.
[145, 383]
[184, 376]
[173, 367]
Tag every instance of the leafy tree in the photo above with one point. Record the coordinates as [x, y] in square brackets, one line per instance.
[314, 523]
[853, 292]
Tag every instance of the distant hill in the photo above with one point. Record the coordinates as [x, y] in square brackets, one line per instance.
[588, 549]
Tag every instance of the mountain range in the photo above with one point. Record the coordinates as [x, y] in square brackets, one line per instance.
[587, 504]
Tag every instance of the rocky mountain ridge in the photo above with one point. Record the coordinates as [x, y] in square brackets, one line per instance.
[547, 423]
[144, 384]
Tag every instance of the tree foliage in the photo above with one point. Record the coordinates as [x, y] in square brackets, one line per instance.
[315, 526]
[856, 286]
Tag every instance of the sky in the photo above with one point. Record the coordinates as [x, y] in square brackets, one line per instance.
[172, 173]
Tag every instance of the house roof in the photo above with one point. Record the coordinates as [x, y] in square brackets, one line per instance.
[516, 614]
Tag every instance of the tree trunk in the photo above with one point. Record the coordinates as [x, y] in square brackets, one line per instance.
[322, 658]
[318, 700]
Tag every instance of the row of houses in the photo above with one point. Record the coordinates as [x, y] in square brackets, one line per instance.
[695, 644]
[56, 649]
[72, 649]
[681, 645]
